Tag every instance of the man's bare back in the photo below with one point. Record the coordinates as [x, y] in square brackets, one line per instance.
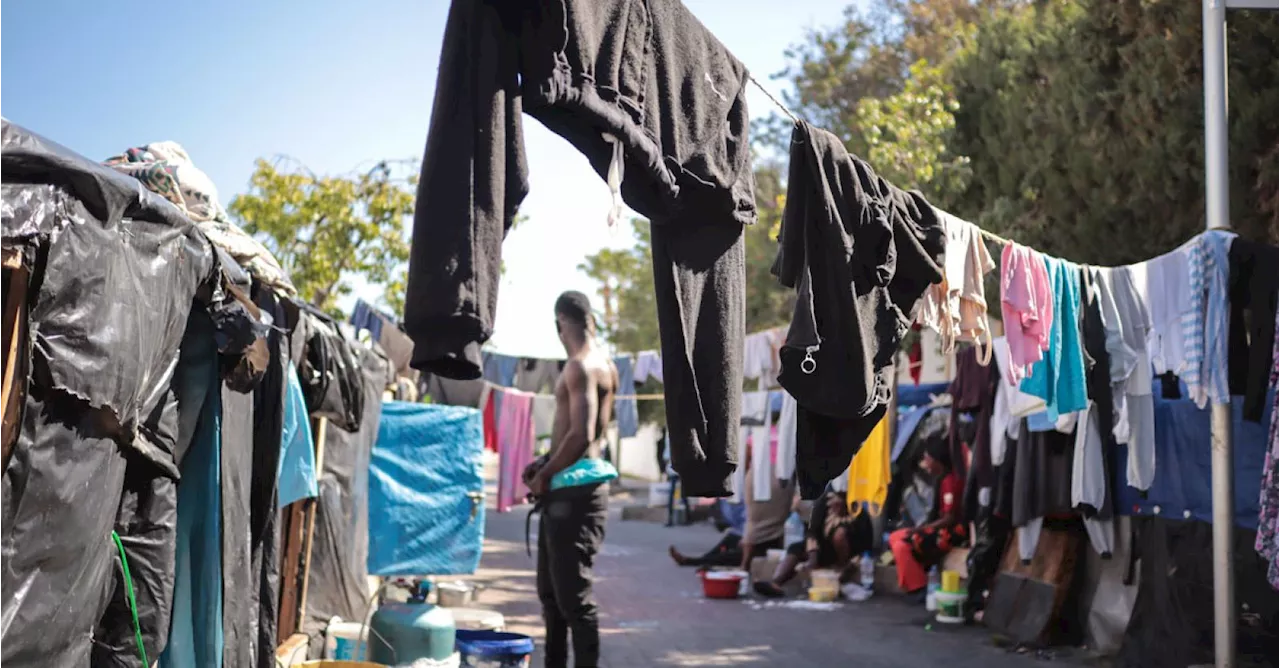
[588, 383]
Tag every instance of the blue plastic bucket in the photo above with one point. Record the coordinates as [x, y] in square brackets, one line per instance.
[494, 649]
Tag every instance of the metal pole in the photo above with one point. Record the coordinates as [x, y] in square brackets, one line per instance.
[1217, 217]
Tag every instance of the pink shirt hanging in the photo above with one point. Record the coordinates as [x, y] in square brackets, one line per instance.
[515, 446]
[1027, 307]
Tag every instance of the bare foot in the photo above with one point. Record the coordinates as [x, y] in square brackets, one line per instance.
[680, 559]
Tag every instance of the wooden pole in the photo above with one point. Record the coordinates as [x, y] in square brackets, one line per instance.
[15, 332]
[321, 427]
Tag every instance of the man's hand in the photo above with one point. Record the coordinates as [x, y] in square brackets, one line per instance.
[540, 483]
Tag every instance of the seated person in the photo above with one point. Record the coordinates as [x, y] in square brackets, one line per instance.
[732, 518]
[833, 536]
[917, 549]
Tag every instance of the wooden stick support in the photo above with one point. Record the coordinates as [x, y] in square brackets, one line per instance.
[320, 427]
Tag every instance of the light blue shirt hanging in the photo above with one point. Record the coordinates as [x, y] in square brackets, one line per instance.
[1058, 377]
[1204, 325]
[297, 470]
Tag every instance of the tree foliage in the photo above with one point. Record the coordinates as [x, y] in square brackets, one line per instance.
[1075, 126]
[1084, 123]
[325, 231]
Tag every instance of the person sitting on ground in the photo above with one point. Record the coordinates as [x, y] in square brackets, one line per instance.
[732, 520]
[833, 537]
[917, 549]
[766, 520]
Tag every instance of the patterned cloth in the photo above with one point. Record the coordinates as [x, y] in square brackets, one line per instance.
[166, 169]
[1204, 325]
[1268, 542]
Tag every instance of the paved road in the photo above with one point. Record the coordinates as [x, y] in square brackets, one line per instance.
[652, 612]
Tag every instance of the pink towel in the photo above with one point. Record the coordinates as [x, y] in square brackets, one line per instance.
[515, 447]
[1027, 307]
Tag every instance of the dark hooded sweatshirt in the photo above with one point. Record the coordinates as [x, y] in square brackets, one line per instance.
[859, 253]
[646, 75]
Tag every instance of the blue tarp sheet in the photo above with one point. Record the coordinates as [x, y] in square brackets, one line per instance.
[426, 466]
[1182, 488]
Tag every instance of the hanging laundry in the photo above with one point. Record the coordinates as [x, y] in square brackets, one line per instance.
[1252, 286]
[365, 316]
[1164, 286]
[1027, 306]
[1268, 541]
[678, 109]
[858, 262]
[544, 416]
[973, 391]
[758, 356]
[490, 418]
[1128, 326]
[625, 408]
[1059, 377]
[1204, 326]
[764, 454]
[754, 444]
[1095, 435]
[956, 308]
[500, 369]
[515, 447]
[297, 469]
[869, 472]
[537, 376]
[1041, 485]
[1010, 405]
[648, 365]
[786, 465]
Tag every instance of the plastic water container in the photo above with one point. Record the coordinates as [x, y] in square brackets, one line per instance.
[405, 632]
[794, 530]
[867, 571]
[345, 641]
[931, 592]
[492, 649]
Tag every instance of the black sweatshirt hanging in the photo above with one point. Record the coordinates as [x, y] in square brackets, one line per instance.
[640, 82]
[1252, 287]
[859, 253]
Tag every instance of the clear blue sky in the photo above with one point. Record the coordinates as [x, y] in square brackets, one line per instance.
[335, 85]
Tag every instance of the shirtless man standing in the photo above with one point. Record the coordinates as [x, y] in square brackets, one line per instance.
[573, 488]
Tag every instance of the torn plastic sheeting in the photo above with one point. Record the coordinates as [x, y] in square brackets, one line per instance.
[426, 485]
[337, 584]
[31, 213]
[107, 195]
[61, 492]
[331, 374]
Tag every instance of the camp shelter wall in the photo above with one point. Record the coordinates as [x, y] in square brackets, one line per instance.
[337, 584]
[115, 272]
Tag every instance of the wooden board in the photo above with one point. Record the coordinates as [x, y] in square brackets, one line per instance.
[1026, 599]
[15, 351]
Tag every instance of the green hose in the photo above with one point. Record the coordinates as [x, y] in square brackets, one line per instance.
[133, 600]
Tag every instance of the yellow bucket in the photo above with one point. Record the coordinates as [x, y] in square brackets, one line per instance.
[333, 663]
[950, 582]
[823, 594]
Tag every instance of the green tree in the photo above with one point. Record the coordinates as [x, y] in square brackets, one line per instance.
[327, 230]
[907, 135]
[1083, 120]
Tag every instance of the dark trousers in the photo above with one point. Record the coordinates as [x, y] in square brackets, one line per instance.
[570, 534]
